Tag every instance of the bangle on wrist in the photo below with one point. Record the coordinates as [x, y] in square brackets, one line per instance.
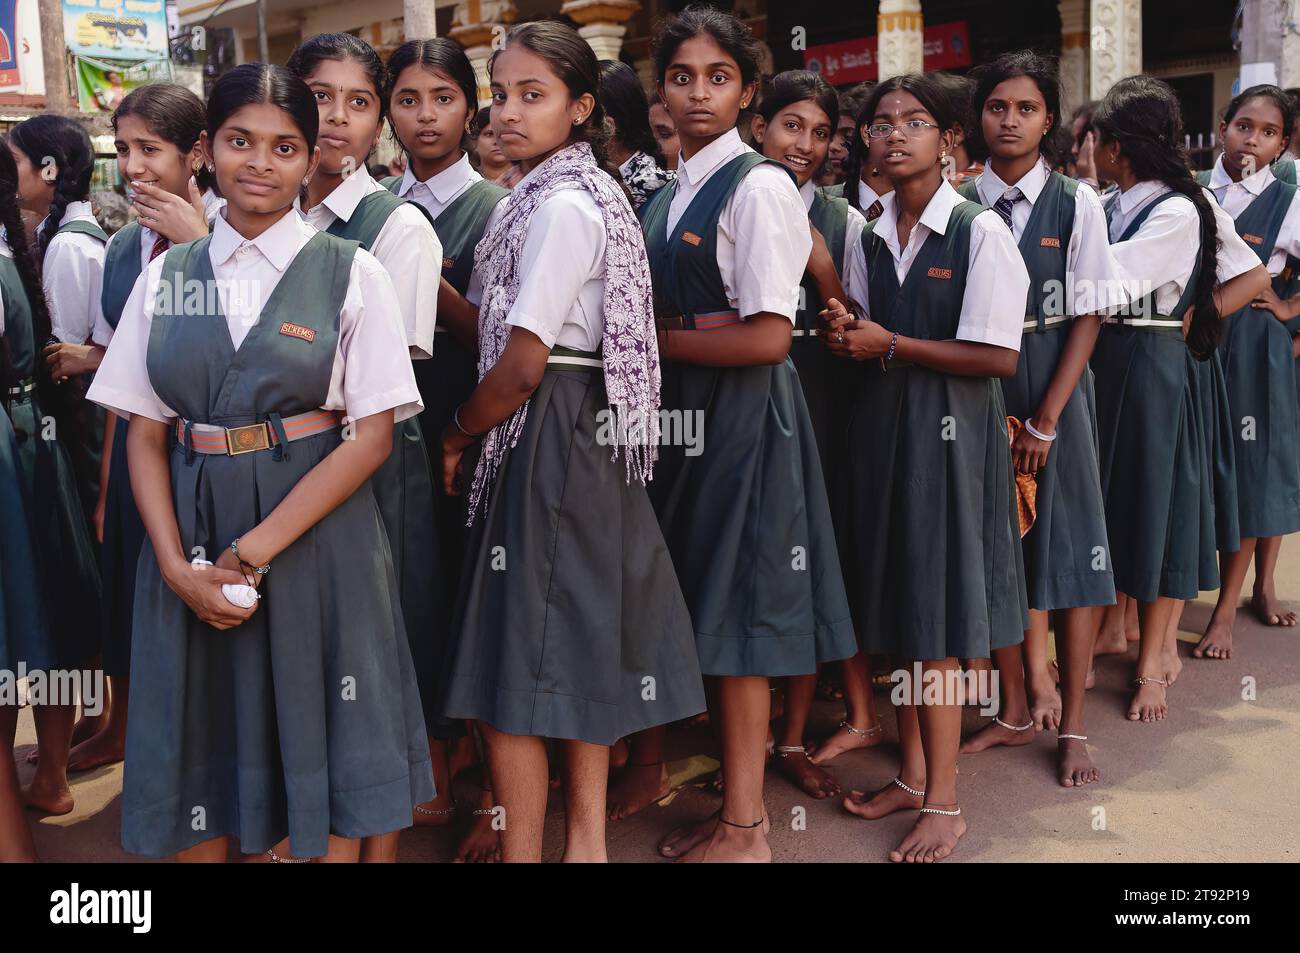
[455, 418]
[260, 570]
[1035, 432]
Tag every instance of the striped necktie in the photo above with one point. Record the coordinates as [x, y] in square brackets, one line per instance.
[1004, 205]
[873, 213]
[160, 245]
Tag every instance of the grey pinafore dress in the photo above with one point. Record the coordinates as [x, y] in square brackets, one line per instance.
[305, 719]
[1155, 453]
[86, 418]
[23, 632]
[745, 512]
[935, 543]
[1260, 376]
[570, 622]
[445, 381]
[60, 536]
[403, 488]
[123, 530]
[1067, 561]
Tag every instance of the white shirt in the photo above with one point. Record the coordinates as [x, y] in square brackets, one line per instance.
[562, 268]
[997, 283]
[1236, 197]
[853, 269]
[73, 276]
[8, 253]
[867, 196]
[1164, 251]
[406, 245]
[437, 193]
[1094, 282]
[371, 371]
[102, 333]
[763, 235]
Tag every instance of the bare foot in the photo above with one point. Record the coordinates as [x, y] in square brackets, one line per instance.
[481, 843]
[618, 753]
[1148, 702]
[884, 801]
[1171, 663]
[104, 748]
[1074, 765]
[933, 838]
[846, 738]
[1089, 682]
[436, 813]
[87, 727]
[637, 787]
[1110, 641]
[48, 799]
[995, 733]
[1044, 701]
[797, 768]
[1269, 611]
[683, 840]
[731, 845]
[1216, 643]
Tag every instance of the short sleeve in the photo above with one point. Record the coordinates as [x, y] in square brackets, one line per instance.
[73, 275]
[997, 286]
[121, 383]
[409, 250]
[564, 249]
[372, 347]
[1097, 282]
[1234, 257]
[854, 270]
[1164, 248]
[769, 227]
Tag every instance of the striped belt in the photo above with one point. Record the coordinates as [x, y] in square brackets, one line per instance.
[1031, 323]
[1152, 324]
[21, 389]
[233, 441]
[704, 321]
[810, 333]
[572, 357]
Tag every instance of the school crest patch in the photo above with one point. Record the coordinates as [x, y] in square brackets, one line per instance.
[298, 331]
[1048, 241]
[939, 273]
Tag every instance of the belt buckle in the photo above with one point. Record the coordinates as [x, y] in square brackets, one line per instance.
[248, 438]
[676, 322]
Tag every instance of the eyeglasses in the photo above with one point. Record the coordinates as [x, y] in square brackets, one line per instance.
[913, 127]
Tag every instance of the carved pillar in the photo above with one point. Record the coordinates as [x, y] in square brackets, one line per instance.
[900, 37]
[602, 23]
[480, 26]
[1116, 47]
[1074, 53]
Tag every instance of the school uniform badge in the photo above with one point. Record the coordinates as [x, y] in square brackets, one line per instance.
[298, 331]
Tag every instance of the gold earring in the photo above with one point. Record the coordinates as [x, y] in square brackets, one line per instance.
[943, 155]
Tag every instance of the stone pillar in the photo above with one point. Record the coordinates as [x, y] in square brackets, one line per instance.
[1116, 47]
[420, 19]
[900, 38]
[1074, 55]
[1288, 68]
[602, 23]
[480, 26]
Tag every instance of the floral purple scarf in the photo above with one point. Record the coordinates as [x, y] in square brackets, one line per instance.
[629, 350]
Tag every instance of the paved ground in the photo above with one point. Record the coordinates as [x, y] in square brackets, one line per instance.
[1217, 781]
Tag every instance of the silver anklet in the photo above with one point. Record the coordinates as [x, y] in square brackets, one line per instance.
[432, 812]
[912, 791]
[862, 732]
[1013, 727]
[784, 750]
[1059, 736]
[277, 859]
[935, 810]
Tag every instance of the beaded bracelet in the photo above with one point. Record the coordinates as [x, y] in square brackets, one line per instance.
[260, 570]
[893, 344]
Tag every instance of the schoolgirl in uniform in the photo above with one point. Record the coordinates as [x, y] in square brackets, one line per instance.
[348, 78]
[60, 532]
[488, 157]
[745, 511]
[632, 145]
[432, 95]
[864, 185]
[570, 622]
[934, 543]
[55, 162]
[246, 352]
[1259, 365]
[25, 636]
[794, 125]
[1060, 228]
[1155, 463]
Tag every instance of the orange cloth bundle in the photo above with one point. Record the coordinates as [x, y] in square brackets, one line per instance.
[1026, 485]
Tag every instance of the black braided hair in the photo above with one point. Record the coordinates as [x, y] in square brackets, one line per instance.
[61, 144]
[1142, 114]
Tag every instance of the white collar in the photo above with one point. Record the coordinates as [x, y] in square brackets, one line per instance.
[443, 185]
[1139, 194]
[935, 217]
[808, 192]
[1254, 184]
[867, 196]
[991, 187]
[279, 243]
[71, 212]
[705, 162]
[347, 195]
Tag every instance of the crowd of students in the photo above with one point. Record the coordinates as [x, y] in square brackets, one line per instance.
[601, 415]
